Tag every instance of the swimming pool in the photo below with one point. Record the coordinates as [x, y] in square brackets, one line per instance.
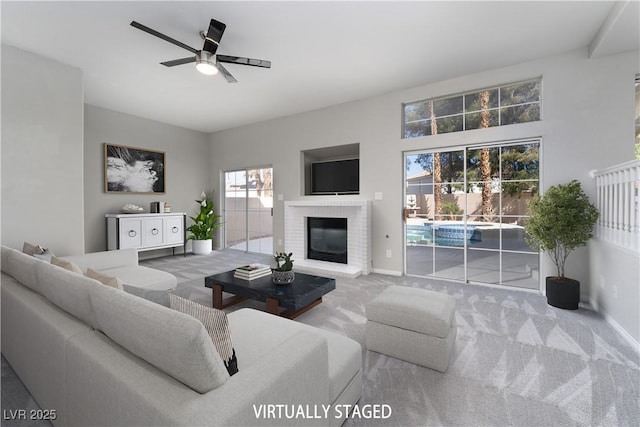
[442, 234]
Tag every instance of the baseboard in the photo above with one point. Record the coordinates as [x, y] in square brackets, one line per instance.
[616, 326]
[386, 272]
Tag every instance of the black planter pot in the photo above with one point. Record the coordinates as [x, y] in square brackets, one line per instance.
[563, 292]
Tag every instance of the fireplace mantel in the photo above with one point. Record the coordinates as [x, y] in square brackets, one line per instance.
[358, 214]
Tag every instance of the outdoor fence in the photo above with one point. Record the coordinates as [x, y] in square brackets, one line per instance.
[618, 202]
[505, 208]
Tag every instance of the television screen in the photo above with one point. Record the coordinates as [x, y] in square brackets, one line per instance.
[338, 176]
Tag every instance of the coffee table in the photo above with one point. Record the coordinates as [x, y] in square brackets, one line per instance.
[296, 298]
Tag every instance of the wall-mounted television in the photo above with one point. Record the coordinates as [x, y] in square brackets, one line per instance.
[335, 177]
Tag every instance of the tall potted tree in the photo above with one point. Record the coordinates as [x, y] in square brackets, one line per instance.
[561, 220]
[204, 223]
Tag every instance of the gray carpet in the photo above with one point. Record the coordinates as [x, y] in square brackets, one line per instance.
[517, 361]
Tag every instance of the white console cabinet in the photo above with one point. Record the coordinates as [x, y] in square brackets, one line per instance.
[146, 232]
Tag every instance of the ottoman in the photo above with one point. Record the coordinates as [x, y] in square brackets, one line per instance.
[415, 325]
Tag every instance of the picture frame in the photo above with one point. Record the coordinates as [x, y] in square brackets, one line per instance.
[133, 170]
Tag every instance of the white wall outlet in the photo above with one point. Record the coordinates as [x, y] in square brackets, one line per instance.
[377, 195]
[615, 291]
[279, 242]
[280, 197]
[602, 282]
[388, 253]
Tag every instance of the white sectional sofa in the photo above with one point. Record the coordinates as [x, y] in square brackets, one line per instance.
[103, 357]
[139, 280]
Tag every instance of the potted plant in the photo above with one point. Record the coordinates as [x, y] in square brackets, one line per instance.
[561, 220]
[283, 273]
[204, 223]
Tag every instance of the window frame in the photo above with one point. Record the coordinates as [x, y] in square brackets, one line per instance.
[499, 107]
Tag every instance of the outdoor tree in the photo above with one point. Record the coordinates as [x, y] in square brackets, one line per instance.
[485, 164]
[437, 169]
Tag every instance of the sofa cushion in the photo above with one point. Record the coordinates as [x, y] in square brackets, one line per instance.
[66, 264]
[174, 342]
[144, 277]
[104, 260]
[22, 267]
[4, 257]
[256, 333]
[159, 297]
[67, 290]
[105, 279]
[35, 334]
[217, 325]
[45, 256]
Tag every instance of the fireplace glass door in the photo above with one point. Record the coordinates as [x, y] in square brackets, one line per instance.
[248, 211]
[327, 239]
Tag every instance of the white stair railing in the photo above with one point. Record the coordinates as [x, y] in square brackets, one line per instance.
[618, 193]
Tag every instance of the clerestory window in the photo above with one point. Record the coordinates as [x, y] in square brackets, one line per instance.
[504, 105]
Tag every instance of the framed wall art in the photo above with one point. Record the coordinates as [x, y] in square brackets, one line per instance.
[133, 170]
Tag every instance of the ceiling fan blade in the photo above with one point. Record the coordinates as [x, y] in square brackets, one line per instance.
[244, 61]
[162, 36]
[213, 36]
[227, 75]
[180, 61]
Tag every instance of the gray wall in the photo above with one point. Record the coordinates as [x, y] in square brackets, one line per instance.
[615, 286]
[187, 154]
[588, 104]
[42, 153]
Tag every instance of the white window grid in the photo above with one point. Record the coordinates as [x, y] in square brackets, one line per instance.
[465, 112]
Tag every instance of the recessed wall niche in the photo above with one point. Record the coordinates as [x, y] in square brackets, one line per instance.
[339, 159]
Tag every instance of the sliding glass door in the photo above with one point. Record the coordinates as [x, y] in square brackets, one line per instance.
[465, 211]
[248, 212]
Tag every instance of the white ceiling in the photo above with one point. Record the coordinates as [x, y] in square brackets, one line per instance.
[322, 53]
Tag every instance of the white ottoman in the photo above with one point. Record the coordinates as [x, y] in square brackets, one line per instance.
[415, 325]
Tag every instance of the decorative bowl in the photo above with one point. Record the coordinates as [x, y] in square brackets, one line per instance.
[130, 208]
[282, 277]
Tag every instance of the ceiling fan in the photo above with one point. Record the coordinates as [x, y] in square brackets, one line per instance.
[207, 62]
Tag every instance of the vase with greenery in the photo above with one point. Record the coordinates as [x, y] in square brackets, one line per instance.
[204, 224]
[283, 273]
[562, 219]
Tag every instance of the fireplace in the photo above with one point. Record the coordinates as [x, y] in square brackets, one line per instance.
[327, 239]
[296, 234]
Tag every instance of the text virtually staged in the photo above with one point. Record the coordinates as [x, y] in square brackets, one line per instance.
[287, 411]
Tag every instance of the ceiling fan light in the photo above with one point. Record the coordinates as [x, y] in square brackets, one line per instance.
[205, 63]
[207, 68]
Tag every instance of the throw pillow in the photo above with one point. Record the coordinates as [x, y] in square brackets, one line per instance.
[105, 279]
[217, 325]
[45, 256]
[32, 250]
[68, 265]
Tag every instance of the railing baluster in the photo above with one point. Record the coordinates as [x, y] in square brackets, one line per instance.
[617, 199]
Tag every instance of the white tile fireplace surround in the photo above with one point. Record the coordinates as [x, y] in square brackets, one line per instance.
[358, 215]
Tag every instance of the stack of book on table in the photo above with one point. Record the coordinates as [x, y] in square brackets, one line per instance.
[252, 271]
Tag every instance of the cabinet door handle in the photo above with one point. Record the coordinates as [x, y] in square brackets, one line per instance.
[155, 231]
[132, 233]
[175, 229]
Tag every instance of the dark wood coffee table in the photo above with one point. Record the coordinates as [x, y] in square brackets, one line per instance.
[303, 294]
